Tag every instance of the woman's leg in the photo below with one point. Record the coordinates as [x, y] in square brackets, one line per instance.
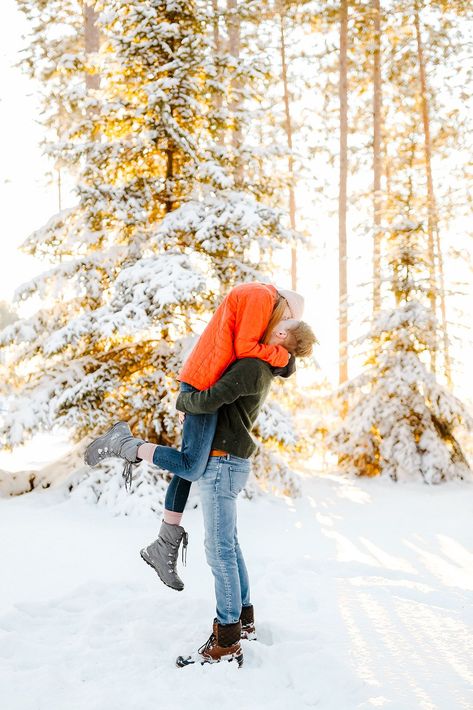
[176, 498]
[177, 491]
[197, 435]
[191, 461]
[188, 464]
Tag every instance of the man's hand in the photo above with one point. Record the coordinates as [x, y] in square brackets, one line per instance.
[181, 416]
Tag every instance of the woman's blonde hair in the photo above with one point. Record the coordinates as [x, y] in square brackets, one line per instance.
[276, 317]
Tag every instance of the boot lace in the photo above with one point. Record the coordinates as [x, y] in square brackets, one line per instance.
[208, 644]
[173, 555]
[128, 474]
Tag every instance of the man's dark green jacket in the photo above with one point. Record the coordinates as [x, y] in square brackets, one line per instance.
[238, 396]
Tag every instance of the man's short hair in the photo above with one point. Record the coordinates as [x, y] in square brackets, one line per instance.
[300, 340]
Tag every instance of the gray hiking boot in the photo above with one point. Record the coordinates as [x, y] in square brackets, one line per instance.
[162, 554]
[117, 441]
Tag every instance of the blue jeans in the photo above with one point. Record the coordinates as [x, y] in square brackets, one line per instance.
[189, 463]
[224, 478]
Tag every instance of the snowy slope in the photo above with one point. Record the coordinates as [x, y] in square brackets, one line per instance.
[362, 592]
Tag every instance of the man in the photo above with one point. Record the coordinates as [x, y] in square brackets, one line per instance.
[238, 397]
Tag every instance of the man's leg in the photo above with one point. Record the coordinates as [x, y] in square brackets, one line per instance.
[243, 574]
[248, 630]
[219, 487]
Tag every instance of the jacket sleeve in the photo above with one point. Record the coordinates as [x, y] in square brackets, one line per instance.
[244, 378]
[287, 371]
[253, 315]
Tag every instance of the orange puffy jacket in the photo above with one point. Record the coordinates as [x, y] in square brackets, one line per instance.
[234, 332]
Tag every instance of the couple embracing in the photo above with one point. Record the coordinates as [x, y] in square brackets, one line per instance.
[254, 336]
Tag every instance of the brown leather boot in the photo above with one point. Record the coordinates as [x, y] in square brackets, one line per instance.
[247, 618]
[223, 645]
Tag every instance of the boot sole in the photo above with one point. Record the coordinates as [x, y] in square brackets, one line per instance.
[182, 662]
[176, 589]
[95, 444]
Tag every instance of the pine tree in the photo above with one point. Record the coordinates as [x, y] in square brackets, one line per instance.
[401, 421]
[158, 235]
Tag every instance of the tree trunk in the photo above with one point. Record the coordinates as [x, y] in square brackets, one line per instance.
[169, 199]
[288, 127]
[377, 159]
[432, 221]
[59, 189]
[233, 29]
[443, 312]
[92, 41]
[169, 152]
[342, 197]
[215, 26]
[217, 45]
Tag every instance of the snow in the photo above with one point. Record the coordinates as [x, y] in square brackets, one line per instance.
[362, 592]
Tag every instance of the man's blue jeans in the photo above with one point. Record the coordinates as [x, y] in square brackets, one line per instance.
[223, 479]
[189, 463]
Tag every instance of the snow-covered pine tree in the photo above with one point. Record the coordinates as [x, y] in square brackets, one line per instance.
[400, 421]
[157, 236]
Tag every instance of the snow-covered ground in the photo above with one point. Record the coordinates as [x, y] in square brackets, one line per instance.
[362, 591]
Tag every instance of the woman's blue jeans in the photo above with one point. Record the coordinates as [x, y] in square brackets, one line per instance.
[190, 462]
[223, 479]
